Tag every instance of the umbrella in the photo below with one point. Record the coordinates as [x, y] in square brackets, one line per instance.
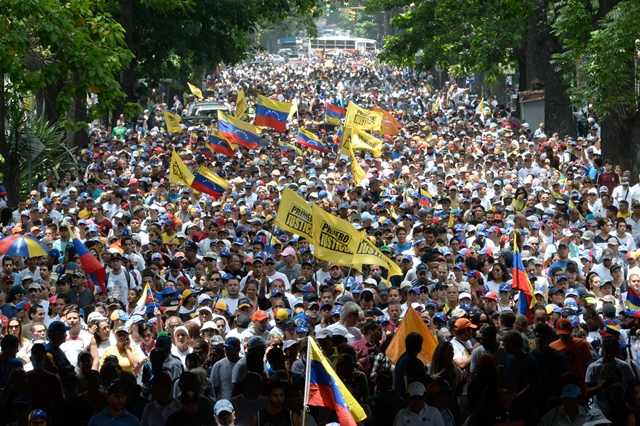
[20, 245]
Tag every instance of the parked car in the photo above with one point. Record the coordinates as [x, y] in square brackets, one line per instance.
[207, 108]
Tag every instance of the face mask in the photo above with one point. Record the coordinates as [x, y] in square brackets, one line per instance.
[37, 365]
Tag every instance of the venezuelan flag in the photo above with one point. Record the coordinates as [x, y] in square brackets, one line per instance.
[521, 282]
[208, 152]
[237, 131]
[436, 106]
[425, 197]
[327, 390]
[333, 113]
[146, 297]
[407, 196]
[310, 140]
[285, 146]
[633, 299]
[270, 113]
[220, 145]
[209, 183]
[338, 136]
[91, 266]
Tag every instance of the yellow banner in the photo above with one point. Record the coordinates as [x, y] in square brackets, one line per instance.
[294, 214]
[179, 173]
[172, 122]
[363, 140]
[241, 104]
[196, 92]
[368, 254]
[335, 240]
[364, 118]
[356, 170]
[390, 125]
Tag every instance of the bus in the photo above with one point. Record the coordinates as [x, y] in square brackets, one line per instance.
[341, 44]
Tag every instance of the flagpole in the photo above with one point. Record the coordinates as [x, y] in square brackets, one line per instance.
[307, 383]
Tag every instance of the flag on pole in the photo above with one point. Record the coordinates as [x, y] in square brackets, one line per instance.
[521, 282]
[172, 122]
[390, 125]
[270, 113]
[220, 144]
[425, 197]
[412, 322]
[310, 140]
[93, 269]
[333, 114]
[363, 118]
[325, 389]
[241, 104]
[179, 173]
[436, 106]
[208, 182]
[196, 92]
[146, 297]
[237, 131]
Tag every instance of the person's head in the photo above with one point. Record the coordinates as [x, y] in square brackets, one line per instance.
[417, 396]
[276, 395]
[512, 342]
[117, 396]
[37, 417]
[413, 343]
[224, 413]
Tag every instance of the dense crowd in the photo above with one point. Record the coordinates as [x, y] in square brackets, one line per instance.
[235, 299]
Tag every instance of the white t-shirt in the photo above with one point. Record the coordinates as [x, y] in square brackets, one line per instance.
[72, 347]
[117, 285]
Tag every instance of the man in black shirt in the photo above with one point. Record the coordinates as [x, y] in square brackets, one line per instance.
[275, 413]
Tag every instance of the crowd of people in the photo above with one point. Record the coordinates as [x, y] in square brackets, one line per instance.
[235, 300]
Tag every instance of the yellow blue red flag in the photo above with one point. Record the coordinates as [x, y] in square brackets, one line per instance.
[325, 389]
[310, 140]
[238, 132]
[270, 113]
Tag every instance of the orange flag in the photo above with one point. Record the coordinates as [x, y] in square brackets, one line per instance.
[412, 322]
[390, 125]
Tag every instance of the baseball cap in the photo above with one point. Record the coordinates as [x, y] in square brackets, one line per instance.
[563, 326]
[416, 389]
[36, 414]
[491, 296]
[221, 406]
[462, 323]
[232, 343]
[256, 342]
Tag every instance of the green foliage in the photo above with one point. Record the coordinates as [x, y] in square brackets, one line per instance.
[464, 36]
[599, 63]
[21, 129]
[72, 44]
[173, 42]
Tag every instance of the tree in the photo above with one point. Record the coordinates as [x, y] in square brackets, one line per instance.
[600, 67]
[473, 36]
[65, 50]
[172, 39]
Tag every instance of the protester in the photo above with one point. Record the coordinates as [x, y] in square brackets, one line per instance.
[369, 197]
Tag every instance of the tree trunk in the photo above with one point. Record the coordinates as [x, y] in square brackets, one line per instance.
[8, 167]
[541, 74]
[127, 76]
[621, 143]
[78, 113]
